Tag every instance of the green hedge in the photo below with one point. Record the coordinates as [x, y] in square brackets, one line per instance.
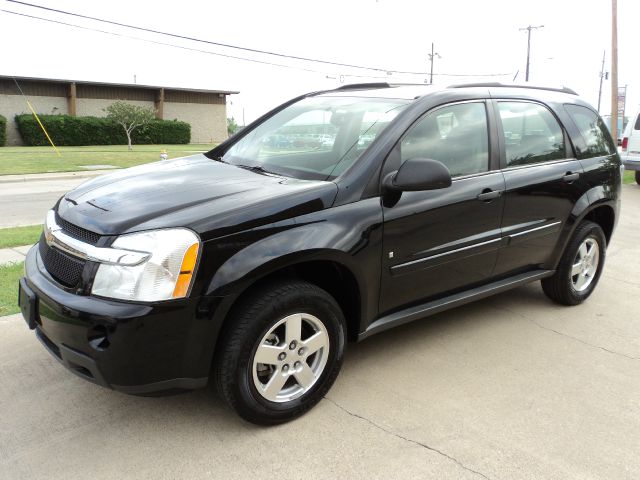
[68, 130]
[162, 131]
[3, 131]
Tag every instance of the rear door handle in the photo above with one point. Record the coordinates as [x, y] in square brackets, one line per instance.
[571, 177]
[487, 195]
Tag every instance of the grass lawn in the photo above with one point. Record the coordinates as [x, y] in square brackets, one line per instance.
[629, 176]
[9, 276]
[17, 236]
[15, 160]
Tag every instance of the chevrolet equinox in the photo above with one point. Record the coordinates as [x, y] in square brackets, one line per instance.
[336, 216]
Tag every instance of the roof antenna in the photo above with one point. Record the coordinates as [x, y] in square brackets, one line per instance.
[515, 76]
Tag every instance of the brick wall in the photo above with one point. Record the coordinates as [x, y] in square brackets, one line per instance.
[94, 107]
[208, 122]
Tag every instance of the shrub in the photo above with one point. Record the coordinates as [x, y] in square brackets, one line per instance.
[66, 130]
[163, 131]
[3, 131]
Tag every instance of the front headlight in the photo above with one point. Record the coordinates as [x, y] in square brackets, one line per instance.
[165, 275]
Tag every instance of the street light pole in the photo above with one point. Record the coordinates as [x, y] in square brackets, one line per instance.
[431, 57]
[528, 29]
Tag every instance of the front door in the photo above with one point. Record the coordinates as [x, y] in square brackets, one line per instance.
[441, 240]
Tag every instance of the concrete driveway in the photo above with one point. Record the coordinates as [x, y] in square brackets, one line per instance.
[511, 387]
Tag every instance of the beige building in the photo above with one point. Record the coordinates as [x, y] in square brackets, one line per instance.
[204, 110]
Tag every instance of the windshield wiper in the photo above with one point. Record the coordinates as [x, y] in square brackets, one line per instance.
[257, 169]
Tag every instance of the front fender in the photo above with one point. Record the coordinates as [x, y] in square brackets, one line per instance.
[349, 235]
[277, 252]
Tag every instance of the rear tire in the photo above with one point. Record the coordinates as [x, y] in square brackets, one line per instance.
[281, 352]
[580, 266]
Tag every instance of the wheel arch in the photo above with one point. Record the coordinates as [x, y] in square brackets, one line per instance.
[602, 212]
[331, 270]
[604, 215]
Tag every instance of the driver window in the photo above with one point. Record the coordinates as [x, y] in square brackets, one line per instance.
[456, 135]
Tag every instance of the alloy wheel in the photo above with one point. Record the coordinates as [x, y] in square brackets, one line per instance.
[290, 357]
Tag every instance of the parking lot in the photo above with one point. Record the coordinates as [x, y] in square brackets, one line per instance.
[511, 387]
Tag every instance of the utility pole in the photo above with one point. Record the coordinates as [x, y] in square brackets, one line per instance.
[528, 29]
[603, 75]
[614, 69]
[431, 57]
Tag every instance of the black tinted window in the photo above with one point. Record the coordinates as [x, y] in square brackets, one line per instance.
[531, 133]
[637, 125]
[593, 132]
[456, 135]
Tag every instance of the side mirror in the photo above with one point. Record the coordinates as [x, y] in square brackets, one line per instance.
[417, 174]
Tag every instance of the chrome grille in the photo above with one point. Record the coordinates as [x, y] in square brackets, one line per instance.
[76, 232]
[62, 267]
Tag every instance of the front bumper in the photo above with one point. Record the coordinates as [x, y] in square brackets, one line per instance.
[131, 347]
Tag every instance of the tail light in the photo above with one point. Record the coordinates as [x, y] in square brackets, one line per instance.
[625, 142]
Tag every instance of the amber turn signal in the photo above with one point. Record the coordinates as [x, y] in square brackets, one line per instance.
[186, 272]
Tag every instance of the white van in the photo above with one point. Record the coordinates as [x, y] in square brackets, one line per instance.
[631, 146]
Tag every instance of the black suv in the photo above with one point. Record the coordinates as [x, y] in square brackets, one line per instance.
[338, 215]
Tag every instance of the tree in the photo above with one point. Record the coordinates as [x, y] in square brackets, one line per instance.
[129, 116]
[232, 126]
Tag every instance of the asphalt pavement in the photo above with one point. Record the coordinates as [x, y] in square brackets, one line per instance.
[511, 387]
[25, 199]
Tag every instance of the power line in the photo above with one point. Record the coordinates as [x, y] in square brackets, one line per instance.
[155, 42]
[209, 42]
[182, 47]
[199, 40]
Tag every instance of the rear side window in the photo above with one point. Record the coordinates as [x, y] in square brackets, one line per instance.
[593, 132]
[456, 135]
[531, 133]
[637, 125]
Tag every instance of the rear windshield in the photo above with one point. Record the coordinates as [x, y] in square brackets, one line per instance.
[316, 138]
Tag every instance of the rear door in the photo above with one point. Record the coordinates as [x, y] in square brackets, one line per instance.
[543, 182]
[441, 240]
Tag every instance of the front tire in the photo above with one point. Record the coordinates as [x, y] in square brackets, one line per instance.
[638, 177]
[281, 353]
[580, 266]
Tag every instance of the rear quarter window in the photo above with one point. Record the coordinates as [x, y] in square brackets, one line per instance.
[594, 133]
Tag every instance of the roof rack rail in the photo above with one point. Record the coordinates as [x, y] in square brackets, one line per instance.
[363, 86]
[511, 85]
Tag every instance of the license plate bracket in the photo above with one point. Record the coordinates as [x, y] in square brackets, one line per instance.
[28, 302]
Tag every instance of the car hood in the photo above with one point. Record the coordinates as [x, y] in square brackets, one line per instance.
[208, 196]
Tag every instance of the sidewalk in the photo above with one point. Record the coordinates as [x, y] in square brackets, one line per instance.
[34, 177]
[13, 254]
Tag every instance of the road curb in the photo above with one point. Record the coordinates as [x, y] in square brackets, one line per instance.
[35, 177]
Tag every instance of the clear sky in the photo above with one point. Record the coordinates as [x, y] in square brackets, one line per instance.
[480, 39]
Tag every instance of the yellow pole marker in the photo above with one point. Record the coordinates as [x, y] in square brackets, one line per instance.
[42, 127]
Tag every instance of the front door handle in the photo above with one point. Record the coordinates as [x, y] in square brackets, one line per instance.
[571, 177]
[487, 195]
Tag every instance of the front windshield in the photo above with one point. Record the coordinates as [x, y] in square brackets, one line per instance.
[316, 138]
